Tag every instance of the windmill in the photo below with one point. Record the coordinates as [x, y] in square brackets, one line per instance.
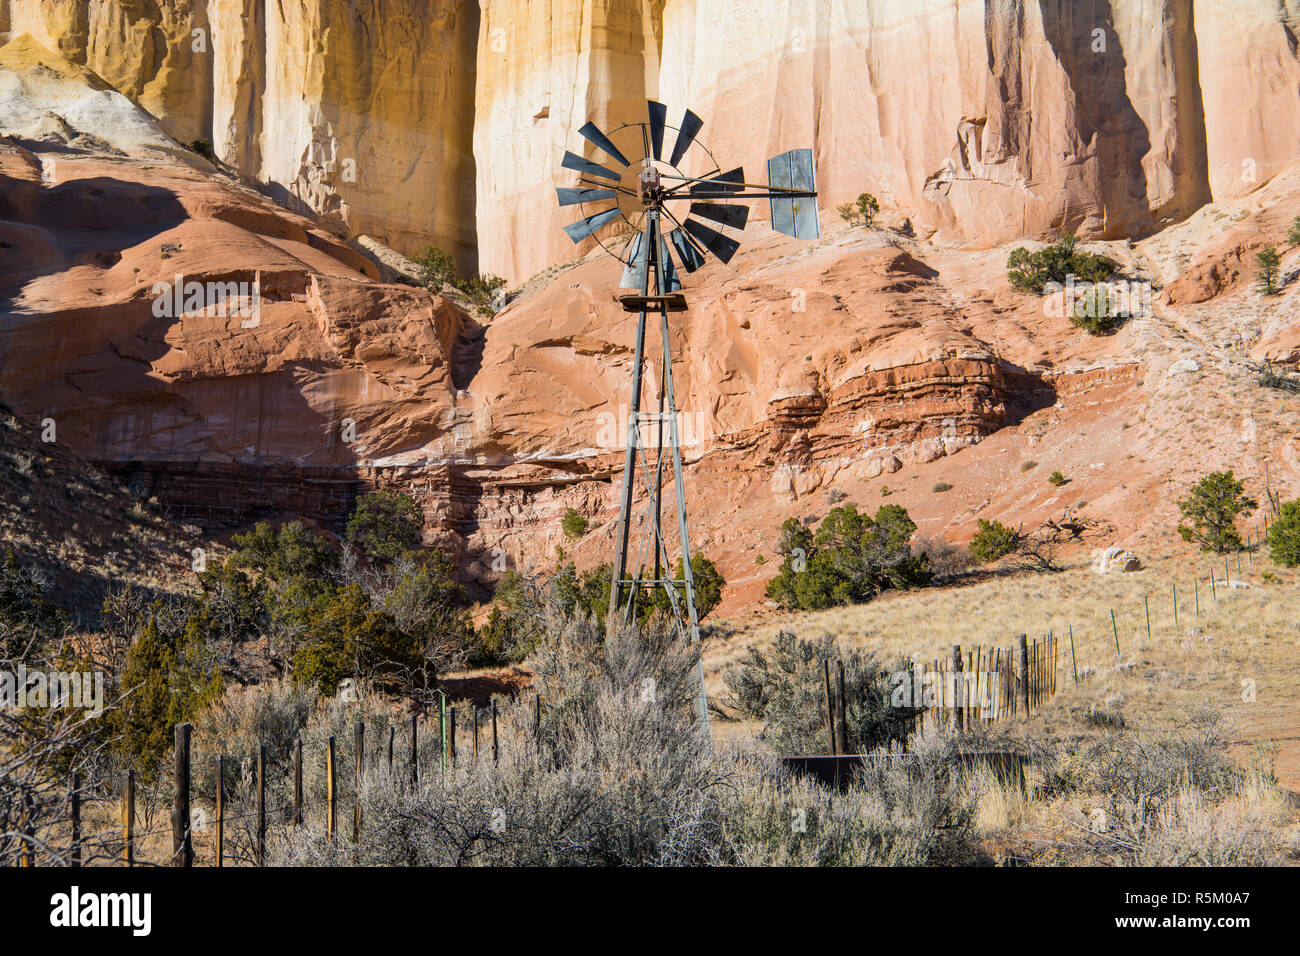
[660, 203]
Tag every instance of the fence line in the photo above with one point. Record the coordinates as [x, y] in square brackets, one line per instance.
[983, 685]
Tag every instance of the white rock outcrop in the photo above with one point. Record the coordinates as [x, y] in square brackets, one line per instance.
[1115, 559]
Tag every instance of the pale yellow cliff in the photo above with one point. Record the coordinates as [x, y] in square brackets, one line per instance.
[362, 118]
[445, 121]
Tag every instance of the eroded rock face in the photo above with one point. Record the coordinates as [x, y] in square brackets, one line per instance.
[978, 121]
[867, 364]
[363, 119]
[443, 122]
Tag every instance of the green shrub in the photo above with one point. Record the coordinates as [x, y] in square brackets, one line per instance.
[282, 554]
[166, 679]
[204, 148]
[347, 637]
[850, 560]
[1293, 235]
[708, 581]
[1057, 479]
[1096, 311]
[1032, 271]
[428, 604]
[480, 291]
[786, 690]
[1213, 506]
[993, 540]
[574, 525]
[435, 268]
[25, 616]
[234, 600]
[385, 525]
[1269, 265]
[1284, 535]
[863, 210]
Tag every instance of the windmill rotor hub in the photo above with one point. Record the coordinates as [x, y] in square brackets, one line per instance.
[649, 186]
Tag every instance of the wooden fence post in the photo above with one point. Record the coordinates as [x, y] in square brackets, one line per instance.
[1033, 674]
[442, 733]
[830, 707]
[1074, 661]
[330, 801]
[297, 782]
[74, 805]
[182, 843]
[844, 717]
[391, 732]
[415, 749]
[1175, 587]
[1024, 676]
[27, 856]
[496, 753]
[1146, 601]
[958, 688]
[360, 735]
[451, 734]
[1214, 591]
[261, 805]
[221, 811]
[1056, 658]
[128, 819]
[1045, 670]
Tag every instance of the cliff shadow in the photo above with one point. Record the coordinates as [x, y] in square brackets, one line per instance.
[1106, 121]
[45, 230]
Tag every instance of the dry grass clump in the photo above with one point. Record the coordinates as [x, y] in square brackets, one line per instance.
[620, 774]
[1141, 799]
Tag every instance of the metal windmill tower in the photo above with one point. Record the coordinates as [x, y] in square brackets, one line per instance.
[662, 202]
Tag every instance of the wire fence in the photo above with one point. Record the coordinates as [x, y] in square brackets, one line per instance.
[249, 794]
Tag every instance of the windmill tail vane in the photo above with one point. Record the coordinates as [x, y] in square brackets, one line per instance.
[663, 205]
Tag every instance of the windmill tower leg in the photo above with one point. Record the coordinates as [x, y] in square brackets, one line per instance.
[629, 458]
[622, 583]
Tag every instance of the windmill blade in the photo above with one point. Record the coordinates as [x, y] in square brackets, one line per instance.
[592, 134]
[721, 246]
[686, 251]
[795, 216]
[729, 215]
[671, 282]
[571, 197]
[586, 166]
[691, 126]
[583, 228]
[634, 271]
[730, 182]
[658, 119]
